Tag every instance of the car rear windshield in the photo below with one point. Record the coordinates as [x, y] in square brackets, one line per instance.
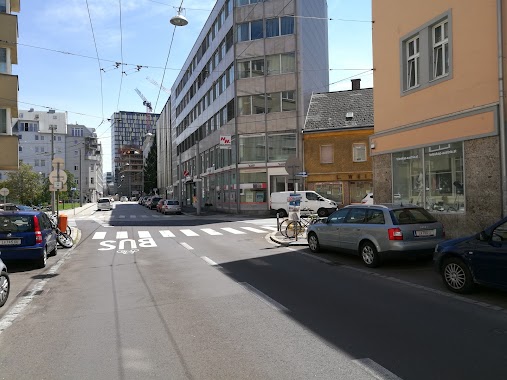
[173, 202]
[104, 200]
[412, 216]
[16, 223]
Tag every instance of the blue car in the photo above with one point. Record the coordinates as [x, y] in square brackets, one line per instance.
[26, 235]
[478, 259]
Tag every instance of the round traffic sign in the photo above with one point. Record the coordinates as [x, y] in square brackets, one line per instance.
[59, 175]
[293, 165]
[4, 191]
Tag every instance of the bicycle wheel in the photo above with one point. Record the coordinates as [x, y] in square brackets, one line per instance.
[293, 228]
[283, 226]
[68, 231]
[64, 240]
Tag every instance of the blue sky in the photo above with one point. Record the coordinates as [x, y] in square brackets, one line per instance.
[58, 66]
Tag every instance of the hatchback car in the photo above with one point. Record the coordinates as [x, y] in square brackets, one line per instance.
[26, 235]
[124, 199]
[104, 204]
[476, 259]
[377, 232]
[5, 284]
[170, 206]
[152, 203]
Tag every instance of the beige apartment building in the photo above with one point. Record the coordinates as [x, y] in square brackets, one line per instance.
[439, 108]
[8, 83]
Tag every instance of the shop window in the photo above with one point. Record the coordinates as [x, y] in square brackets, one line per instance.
[431, 177]
[333, 191]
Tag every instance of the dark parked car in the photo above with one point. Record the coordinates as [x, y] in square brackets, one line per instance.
[5, 284]
[153, 202]
[476, 259]
[376, 232]
[26, 235]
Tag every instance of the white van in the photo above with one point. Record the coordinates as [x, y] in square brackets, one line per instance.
[311, 203]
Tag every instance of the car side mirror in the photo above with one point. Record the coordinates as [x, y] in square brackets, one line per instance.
[482, 236]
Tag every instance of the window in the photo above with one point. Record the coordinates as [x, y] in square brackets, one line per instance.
[3, 120]
[59, 138]
[338, 216]
[356, 215]
[288, 100]
[3, 59]
[258, 68]
[326, 154]
[3, 6]
[358, 152]
[76, 153]
[287, 25]
[250, 31]
[273, 102]
[252, 148]
[279, 26]
[77, 132]
[440, 50]
[36, 137]
[413, 62]
[259, 104]
[281, 146]
[75, 167]
[245, 105]
[37, 150]
[375, 217]
[272, 27]
[42, 162]
[37, 163]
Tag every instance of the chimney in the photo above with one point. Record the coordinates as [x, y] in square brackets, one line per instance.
[356, 84]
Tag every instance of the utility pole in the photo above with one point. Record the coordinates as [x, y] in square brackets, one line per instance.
[80, 179]
[52, 129]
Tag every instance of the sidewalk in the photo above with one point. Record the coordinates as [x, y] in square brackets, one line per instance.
[278, 238]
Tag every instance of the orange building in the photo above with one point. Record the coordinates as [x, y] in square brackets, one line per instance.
[439, 108]
[335, 139]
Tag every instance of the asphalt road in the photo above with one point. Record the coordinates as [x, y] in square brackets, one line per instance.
[181, 297]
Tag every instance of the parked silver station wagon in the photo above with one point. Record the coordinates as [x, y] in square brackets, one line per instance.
[376, 232]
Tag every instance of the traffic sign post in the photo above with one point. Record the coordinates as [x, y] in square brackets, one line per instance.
[58, 180]
[4, 191]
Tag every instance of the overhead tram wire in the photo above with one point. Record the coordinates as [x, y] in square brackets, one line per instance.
[98, 61]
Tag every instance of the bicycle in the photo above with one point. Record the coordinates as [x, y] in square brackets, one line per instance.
[64, 239]
[68, 230]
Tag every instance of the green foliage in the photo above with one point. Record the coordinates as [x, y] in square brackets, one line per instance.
[25, 185]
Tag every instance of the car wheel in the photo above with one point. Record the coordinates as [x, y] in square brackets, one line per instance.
[282, 213]
[5, 287]
[369, 255]
[322, 212]
[456, 275]
[313, 243]
[55, 250]
[42, 261]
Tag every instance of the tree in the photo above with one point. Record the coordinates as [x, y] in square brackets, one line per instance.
[150, 169]
[25, 185]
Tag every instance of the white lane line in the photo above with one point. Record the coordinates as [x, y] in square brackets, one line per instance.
[186, 246]
[263, 297]
[233, 231]
[122, 235]
[144, 234]
[256, 230]
[122, 216]
[375, 369]
[133, 216]
[189, 233]
[144, 216]
[209, 261]
[211, 231]
[99, 235]
[166, 233]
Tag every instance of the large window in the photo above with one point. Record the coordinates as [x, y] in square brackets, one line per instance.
[326, 154]
[253, 187]
[252, 30]
[426, 54]
[333, 191]
[281, 146]
[280, 63]
[252, 148]
[279, 26]
[431, 177]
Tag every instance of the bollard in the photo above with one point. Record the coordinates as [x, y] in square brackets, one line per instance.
[62, 222]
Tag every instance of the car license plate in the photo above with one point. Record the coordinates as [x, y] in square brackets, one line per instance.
[422, 233]
[10, 242]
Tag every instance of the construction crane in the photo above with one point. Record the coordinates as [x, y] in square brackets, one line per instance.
[153, 81]
[149, 110]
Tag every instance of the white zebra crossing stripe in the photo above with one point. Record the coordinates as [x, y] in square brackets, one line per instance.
[99, 235]
[122, 216]
[256, 230]
[270, 228]
[144, 216]
[166, 233]
[211, 231]
[133, 216]
[189, 233]
[233, 231]
[144, 234]
[122, 235]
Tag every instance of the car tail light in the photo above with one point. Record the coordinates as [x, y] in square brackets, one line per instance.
[38, 233]
[395, 234]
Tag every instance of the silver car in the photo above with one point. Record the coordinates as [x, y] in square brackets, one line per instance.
[376, 232]
[5, 284]
[170, 207]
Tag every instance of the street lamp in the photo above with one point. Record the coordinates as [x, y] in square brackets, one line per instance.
[179, 19]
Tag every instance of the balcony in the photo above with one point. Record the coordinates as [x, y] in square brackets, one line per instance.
[9, 93]
[15, 6]
[9, 33]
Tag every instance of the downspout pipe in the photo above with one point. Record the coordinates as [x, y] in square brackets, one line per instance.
[503, 150]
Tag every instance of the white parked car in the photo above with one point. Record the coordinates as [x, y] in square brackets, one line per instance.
[124, 199]
[170, 207]
[104, 204]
